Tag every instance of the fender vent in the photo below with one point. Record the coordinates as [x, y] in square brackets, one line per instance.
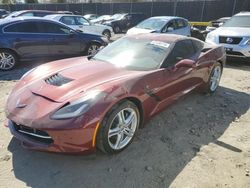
[57, 80]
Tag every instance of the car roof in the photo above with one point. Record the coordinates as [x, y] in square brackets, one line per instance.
[23, 18]
[168, 38]
[166, 18]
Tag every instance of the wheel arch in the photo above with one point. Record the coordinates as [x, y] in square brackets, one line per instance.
[11, 50]
[138, 103]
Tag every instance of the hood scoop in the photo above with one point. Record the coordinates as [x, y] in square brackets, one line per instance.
[57, 80]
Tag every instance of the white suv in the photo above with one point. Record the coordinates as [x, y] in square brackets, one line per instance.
[234, 35]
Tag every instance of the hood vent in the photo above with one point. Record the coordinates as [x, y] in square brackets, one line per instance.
[57, 80]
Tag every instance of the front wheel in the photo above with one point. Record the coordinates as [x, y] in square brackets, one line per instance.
[8, 60]
[93, 49]
[107, 34]
[214, 78]
[118, 128]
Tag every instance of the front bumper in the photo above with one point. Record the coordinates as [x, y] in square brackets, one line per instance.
[78, 140]
[240, 51]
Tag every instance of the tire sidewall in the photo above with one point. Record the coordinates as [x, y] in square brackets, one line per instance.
[14, 56]
[210, 76]
[102, 142]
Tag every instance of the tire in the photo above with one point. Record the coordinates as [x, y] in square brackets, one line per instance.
[117, 29]
[214, 79]
[115, 134]
[93, 49]
[107, 34]
[8, 60]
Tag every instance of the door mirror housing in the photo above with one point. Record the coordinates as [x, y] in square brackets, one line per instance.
[170, 29]
[185, 63]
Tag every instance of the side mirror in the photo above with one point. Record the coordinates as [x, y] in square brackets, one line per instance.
[185, 63]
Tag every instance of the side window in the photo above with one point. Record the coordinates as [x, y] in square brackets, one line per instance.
[68, 20]
[81, 21]
[180, 23]
[170, 26]
[24, 27]
[182, 50]
[198, 45]
[40, 14]
[46, 27]
[27, 14]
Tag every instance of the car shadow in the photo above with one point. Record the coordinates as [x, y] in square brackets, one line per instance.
[19, 70]
[157, 155]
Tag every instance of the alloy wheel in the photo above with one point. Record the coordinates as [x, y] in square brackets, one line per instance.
[215, 78]
[7, 61]
[93, 49]
[122, 128]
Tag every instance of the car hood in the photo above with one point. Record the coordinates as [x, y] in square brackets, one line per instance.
[232, 31]
[136, 30]
[77, 75]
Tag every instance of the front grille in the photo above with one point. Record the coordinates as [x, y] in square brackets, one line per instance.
[57, 80]
[230, 40]
[34, 134]
[234, 53]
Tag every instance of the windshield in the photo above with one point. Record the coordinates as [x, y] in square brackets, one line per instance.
[135, 54]
[154, 24]
[238, 21]
[117, 16]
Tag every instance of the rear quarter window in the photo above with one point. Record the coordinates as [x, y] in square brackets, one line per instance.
[25, 27]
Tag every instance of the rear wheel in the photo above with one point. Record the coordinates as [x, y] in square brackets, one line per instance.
[8, 60]
[214, 78]
[93, 49]
[118, 128]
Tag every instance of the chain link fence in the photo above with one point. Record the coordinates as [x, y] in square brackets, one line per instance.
[197, 10]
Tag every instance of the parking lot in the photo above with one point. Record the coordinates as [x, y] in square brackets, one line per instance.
[200, 141]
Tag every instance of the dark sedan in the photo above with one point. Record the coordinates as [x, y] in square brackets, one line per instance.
[37, 38]
[75, 105]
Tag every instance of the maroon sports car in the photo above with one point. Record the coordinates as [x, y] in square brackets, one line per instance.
[75, 105]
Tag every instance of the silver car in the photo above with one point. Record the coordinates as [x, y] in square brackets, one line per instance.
[80, 23]
[234, 35]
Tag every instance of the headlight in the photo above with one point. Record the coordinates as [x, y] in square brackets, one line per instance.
[210, 38]
[247, 42]
[78, 107]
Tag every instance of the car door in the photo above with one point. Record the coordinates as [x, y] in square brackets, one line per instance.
[63, 41]
[27, 40]
[174, 81]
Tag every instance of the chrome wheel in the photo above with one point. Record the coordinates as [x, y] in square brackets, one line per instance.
[7, 61]
[122, 128]
[93, 49]
[215, 78]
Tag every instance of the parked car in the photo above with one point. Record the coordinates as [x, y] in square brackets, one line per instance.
[162, 24]
[101, 19]
[80, 23]
[234, 35]
[101, 101]
[216, 23]
[26, 38]
[3, 13]
[123, 22]
[90, 16]
[36, 13]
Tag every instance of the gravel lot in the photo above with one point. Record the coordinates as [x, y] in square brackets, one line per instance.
[200, 141]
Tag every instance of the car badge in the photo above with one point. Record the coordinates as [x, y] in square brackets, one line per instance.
[20, 105]
[229, 40]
